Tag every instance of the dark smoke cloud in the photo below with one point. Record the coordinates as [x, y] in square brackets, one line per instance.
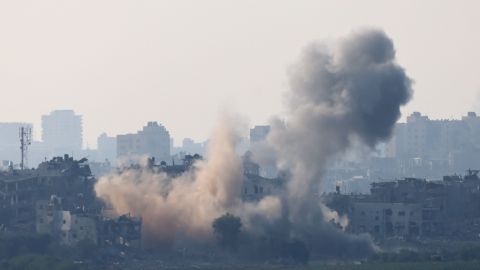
[353, 91]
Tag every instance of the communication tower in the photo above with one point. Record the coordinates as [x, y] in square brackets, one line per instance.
[25, 134]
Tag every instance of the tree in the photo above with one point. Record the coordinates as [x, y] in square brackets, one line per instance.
[227, 229]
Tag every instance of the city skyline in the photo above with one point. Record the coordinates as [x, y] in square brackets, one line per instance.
[144, 63]
[135, 144]
[178, 142]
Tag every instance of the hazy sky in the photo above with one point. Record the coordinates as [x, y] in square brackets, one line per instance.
[123, 63]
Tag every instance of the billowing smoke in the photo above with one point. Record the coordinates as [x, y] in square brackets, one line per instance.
[351, 92]
[183, 207]
[338, 95]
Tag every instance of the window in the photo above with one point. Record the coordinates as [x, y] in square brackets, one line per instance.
[401, 213]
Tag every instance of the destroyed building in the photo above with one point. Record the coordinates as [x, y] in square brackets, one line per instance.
[125, 231]
[254, 186]
[61, 176]
[71, 227]
[58, 199]
[415, 208]
[171, 171]
[66, 227]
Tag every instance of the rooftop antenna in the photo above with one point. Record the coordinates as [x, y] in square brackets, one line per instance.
[25, 134]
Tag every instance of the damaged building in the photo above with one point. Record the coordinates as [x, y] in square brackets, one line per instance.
[66, 227]
[255, 187]
[62, 176]
[415, 208]
[125, 231]
[58, 199]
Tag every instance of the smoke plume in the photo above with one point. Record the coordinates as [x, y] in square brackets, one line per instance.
[183, 207]
[351, 92]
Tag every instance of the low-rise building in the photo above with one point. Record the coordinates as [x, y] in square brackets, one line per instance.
[414, 208]
[66, 227]
[254, 186]
[123, 231]
[385, 219]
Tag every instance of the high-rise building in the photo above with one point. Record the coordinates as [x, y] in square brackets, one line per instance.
[62, 132]
[189, 146]
[152, 141]
[107, 147]
[455, 143]
[421, 137]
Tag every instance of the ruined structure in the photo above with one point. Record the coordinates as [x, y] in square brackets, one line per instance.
[415, 208]
[125, 231]
[61, 176]
[58, 199]
[66, 227]
[255, 187]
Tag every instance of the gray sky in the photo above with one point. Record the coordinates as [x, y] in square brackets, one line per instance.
[123, 63]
